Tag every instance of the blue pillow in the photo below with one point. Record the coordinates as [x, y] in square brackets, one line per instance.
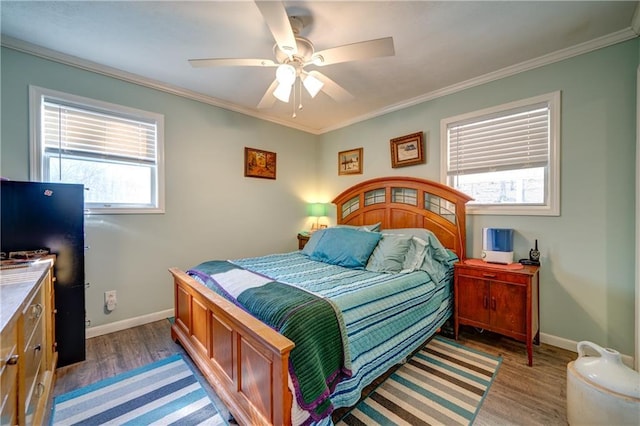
[313, 241]
[346, 247]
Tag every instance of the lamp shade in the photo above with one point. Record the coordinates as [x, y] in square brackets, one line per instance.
[286, 74]
[317, 209]
[283, 92]
[312, 84]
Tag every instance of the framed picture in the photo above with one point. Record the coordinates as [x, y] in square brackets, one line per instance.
[259, 164]
[350, 162]
[407, 150]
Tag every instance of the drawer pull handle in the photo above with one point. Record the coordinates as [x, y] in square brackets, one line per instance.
[39, 391]
[37, 347]
[36, 311]
[489, 275]
[493, 303]
[13, 360]
[485, 302]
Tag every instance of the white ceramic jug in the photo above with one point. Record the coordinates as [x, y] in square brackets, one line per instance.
[601, 390]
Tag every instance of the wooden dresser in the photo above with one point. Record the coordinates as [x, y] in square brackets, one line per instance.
[27, 344]
[499, 300]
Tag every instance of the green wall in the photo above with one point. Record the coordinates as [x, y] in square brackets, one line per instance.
[213, 211]
[588, 261]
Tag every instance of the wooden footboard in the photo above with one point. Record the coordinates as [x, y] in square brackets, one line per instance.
[245, 361]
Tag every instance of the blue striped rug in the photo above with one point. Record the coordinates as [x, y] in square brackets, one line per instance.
[444, 383]
[162, 393]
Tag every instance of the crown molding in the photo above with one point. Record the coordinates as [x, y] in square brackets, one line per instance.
[586, 47]
[559, 55]
[74, 61]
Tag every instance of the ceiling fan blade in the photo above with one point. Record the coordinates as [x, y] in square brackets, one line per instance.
[231, 62]
[356, 51]
[331, 88]
[268, 99]
[277, 20]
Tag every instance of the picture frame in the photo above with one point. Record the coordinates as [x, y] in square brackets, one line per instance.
[350, 162]
[407, 150]
[259, 163]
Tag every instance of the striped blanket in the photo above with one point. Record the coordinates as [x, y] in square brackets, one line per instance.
[386, 316]
[319, 361]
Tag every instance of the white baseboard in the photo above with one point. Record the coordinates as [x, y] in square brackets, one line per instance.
[559, 342]
[572, 346]
[128, 323]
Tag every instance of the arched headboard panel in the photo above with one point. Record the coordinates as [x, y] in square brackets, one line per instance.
[407, 202]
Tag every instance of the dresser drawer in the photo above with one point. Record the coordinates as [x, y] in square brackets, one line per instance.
[515, 277]
[33, 314]
[32, 362]
[8, 343]
[9, 375]
[9, 408]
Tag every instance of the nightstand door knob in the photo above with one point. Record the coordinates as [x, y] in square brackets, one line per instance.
[493, 303]
[485, 301]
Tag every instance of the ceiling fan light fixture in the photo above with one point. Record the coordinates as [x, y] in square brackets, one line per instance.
[317, 60]
[286, 74]
[312, 84]
[283, 92]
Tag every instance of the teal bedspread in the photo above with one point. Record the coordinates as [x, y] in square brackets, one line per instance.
[386, 316]
[320, 359]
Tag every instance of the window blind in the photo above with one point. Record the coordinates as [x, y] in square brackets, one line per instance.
[83, 132]
[513, 139]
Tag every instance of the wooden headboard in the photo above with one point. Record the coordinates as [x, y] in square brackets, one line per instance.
[407, 202]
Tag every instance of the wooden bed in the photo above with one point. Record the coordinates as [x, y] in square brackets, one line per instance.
[245, 360]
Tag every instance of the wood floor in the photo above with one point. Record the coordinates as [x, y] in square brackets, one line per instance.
[520, 395]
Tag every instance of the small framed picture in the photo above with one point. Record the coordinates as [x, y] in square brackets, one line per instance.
[259, 164]
[407, 150]
[350, 162]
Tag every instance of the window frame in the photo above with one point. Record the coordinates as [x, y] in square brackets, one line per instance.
[551, 206]
[36, 145]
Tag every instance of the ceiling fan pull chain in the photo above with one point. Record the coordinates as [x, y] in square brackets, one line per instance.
[293, 104]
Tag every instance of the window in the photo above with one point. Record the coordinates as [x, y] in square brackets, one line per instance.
[115, 151]
[506, 157]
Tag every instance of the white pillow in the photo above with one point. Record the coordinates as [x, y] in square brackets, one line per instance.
[415, 255]
[390, 253]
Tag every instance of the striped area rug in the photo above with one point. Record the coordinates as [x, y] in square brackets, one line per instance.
[165, 392]
[444, 383]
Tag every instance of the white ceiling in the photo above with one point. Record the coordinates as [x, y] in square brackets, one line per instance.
[440, 46]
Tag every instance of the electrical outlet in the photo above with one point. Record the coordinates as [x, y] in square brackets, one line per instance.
[110, 300]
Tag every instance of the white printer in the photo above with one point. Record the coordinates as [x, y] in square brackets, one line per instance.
[497, 245]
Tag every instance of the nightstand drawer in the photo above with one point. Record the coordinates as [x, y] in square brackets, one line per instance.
[519, 276]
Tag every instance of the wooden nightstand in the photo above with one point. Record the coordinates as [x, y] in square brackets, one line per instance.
[505, 301]
[302, 240]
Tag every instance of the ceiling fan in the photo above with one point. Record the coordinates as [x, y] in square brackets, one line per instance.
[293, 53]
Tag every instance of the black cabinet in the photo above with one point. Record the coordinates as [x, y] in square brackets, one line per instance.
[37, 215]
